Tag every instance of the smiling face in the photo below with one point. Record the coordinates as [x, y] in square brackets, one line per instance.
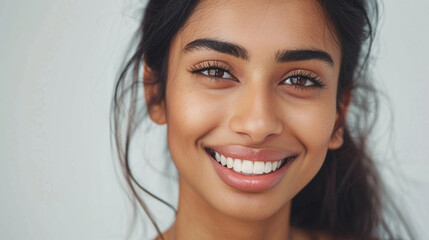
[253, 85]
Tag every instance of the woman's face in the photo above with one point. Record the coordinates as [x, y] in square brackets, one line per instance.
[254, 81]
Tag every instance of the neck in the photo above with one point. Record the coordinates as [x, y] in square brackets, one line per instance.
[197, 219]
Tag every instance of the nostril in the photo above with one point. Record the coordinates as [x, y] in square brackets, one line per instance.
[258, 127]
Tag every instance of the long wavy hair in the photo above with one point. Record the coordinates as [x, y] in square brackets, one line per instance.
[346, 197]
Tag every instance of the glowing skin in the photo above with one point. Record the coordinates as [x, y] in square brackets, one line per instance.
[253, 104]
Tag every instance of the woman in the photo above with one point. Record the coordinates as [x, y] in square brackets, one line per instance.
[255, 95]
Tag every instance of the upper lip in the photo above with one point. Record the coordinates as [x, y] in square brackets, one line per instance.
[252, 154]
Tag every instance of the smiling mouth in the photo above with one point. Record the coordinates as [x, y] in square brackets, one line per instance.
[247, 167]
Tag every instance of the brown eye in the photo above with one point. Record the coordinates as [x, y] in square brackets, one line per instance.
[299, 81]
[216, 73]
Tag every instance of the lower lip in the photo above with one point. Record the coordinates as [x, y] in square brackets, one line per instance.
[247, 183]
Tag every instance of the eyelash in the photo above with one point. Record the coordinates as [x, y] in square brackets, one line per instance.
[212, 65]
[304, 74]
[300, 74]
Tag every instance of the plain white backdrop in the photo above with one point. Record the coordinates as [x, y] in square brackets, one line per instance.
[58, 63]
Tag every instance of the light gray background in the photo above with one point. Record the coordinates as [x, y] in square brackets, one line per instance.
[58, 62]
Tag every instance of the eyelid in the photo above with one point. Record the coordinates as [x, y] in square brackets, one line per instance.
[310, 75]
[301, 72]
[199, 68]
[209, 65]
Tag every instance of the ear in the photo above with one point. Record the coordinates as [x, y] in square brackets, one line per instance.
[337, 138]
[152, 92]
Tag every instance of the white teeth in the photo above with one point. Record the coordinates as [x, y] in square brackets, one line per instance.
[247, 166]
[268, 167]
[258, 167]
[223, 160]
[229, 162]
[237, 165]
[217, 157]
[274, 166]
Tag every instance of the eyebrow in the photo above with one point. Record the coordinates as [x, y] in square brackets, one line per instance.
[240, 52]
[303, 55]
[219, 46]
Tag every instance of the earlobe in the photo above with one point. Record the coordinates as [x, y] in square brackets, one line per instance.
[157, 113]
[155, 105]
[337, 138]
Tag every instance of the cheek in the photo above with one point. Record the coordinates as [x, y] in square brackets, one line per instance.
[191, 115]
[312, 125]
[189, 112]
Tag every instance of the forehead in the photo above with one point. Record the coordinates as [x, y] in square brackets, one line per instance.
[262, 25]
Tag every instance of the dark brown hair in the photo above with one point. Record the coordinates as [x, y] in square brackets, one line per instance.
[346, 196]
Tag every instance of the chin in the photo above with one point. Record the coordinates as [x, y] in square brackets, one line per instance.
[244, 212]
[250, 207]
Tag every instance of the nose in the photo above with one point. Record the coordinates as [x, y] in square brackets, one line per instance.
[254, 115]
